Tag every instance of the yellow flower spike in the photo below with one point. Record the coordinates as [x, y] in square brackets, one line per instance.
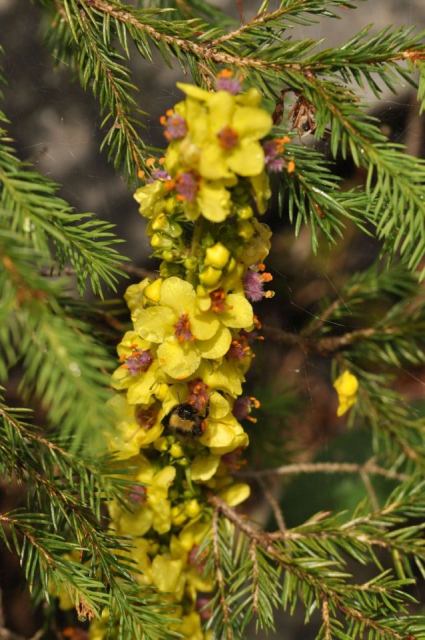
[153, 291]
[210, 276]
[346, 386]
[217, 256]
[235, 494]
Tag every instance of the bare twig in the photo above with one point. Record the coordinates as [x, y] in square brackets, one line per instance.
[273, 503]
[369, 467]
[323, 346]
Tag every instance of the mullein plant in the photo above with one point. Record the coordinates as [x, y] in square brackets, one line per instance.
[179, 402]
[175, 554]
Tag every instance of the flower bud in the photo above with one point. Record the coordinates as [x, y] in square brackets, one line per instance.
[192, 508]
[161, 391]
[217, 256]
[170, 205]
[153, 291]
[169, 256]
[210, 276]
[160, 241]
[178, 515]
[161, 444]
[245, 212]
[174, 230]
[176, 450]
[160, 223]
[245, 229]
[190, 263]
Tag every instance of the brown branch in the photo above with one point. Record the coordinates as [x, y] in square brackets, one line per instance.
[323, 346]
[273, 503]
[210, 50]
[368, 467]
[266, 540]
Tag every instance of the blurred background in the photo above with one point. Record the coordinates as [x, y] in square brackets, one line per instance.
[56, 126]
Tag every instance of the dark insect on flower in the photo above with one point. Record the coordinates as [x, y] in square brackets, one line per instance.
[186, 421]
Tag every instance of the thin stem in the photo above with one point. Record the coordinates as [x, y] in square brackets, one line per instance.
[327, 467]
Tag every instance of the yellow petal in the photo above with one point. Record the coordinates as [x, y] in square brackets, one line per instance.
[177, 294]
[141, 391]
[204, 467]
[217, 346]
[238, 313]
[225, 435]
[154, 323]
[252, 123]
[221, 106]
[178, 359]
[134, 297]
[219, 406]
[194, 92]
[151, 198]
[346, 386]
[213, 163]
[226, 377]
[247, 159]
[235, 494]
[204, 325]
[166, 573]
[214, 200]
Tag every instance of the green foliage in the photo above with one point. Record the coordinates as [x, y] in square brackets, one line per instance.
[59, 345]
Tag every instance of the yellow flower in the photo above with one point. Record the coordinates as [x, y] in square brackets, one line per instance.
[136, 427]
[151, 506]
[134, 297]
[227, 135]
[167, 575]
[346, 386]
[224, 435]
[259, 246]
[222, 142]
[152, 198]
[184, 333]
[235, 494]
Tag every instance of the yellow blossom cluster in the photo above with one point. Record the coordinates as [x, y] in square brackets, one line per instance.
[215, 170]
[178, 388]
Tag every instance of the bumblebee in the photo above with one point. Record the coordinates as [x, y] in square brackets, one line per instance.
[186, 421]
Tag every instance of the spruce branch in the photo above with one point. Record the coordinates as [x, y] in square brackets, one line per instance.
[29, 206]
[63, 364]
[332, 584]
